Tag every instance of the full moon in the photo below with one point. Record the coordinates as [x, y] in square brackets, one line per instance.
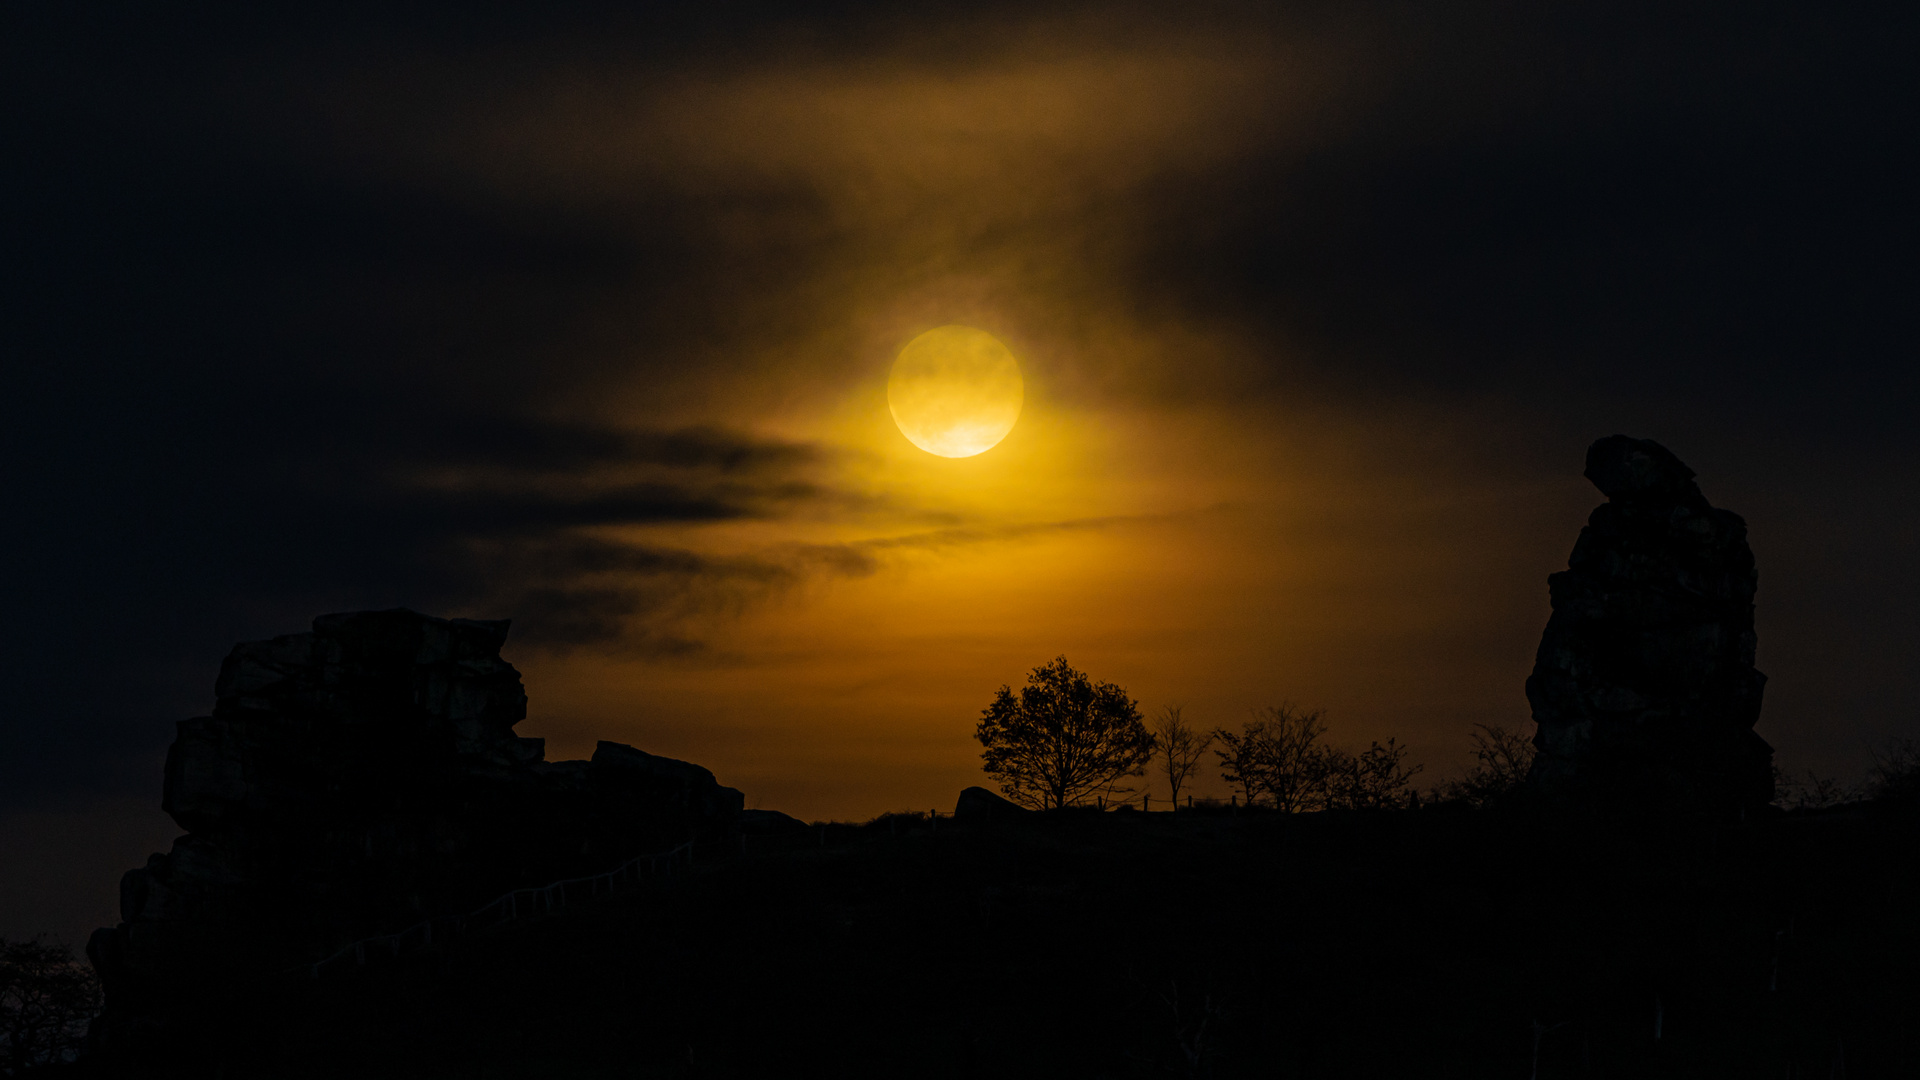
[955, 391]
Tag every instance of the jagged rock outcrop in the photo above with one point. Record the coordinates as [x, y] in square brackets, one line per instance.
[358, 779]
[1644, 686]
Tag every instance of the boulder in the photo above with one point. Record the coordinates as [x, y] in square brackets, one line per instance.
[979, 804]
[358, 779]
[773, 823]
[1644, 686]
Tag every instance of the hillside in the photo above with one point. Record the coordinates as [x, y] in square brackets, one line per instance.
[1411, 943]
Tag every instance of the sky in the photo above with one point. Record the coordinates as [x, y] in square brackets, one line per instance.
[584, 318]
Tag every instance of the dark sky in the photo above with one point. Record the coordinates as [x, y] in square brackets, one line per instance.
[579, 317]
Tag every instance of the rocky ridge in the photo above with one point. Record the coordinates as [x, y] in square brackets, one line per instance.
[359, 778]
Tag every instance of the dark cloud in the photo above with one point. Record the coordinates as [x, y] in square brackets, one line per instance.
[140, 565]
[575, 591]
[1710, 205]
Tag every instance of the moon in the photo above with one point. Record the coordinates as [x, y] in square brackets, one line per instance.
[955, 391]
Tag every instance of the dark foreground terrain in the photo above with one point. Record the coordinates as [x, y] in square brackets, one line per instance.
[1434, 943]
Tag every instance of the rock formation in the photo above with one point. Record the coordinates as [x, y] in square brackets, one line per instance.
[360, 778]
[979, 804]
[1644, 686]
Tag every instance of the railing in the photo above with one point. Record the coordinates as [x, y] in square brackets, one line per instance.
[518, 904]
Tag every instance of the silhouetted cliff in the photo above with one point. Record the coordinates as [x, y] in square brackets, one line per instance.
[357, 779]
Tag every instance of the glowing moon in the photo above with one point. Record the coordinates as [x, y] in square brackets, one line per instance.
[955, 391]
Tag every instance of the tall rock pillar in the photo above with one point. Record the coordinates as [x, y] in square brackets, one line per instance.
[1644, 686]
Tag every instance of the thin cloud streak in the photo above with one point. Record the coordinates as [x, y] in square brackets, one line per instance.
[572, 591]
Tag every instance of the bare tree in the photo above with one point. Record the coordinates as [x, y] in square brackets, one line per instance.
[1894, 775]
[1180, 746]
[1896, 770]
[46, 999]
[1502, 760]
[1243, 760]
[1808, 790]
[1373, 779]
[1277, 754]
[1062, 738]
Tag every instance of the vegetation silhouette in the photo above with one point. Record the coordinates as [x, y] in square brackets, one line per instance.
[1502, 759]
[1376, 778]
[1808, 790]
[47, 997]
[1063, 738]
[1895, 776]
[1180, 746]
[1277, 756]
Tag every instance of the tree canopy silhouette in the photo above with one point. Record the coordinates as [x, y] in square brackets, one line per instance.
[46, 999]
[1062, 738]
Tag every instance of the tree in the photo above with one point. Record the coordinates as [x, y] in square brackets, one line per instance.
[1810, 791]
[46, 999]
[1896, 771]
[1373, 779]
[1062, 738]
[1502, 760]
[1180, 748]
[1277, 754]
